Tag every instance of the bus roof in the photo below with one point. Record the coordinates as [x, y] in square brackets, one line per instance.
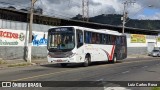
[105, 31]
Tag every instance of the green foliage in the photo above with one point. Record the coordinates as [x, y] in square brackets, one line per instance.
[19, 64]
[3, 62]
[115, 19]
[156, 88]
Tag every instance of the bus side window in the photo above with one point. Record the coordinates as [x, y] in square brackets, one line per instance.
[97, 38]
[123, 40]
[88, 37]
[113, 39]
[101, 38]
[93, 38]
[79, 38]
[107, 40]
[118, 40]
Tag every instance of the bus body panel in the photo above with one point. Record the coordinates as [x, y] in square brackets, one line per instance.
[98, 52]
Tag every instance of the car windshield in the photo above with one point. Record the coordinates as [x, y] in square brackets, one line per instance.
[61, 39]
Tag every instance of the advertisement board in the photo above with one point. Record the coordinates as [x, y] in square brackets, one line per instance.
[10, 37]
[158, 39]
[138, 38]
[39, 38]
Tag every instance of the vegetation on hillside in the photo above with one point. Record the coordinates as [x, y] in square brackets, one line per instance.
[115, 19]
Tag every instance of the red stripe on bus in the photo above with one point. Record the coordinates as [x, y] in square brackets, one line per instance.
[110, 57]
[112, 53]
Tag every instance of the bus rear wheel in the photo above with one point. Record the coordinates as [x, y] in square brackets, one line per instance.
[87, 61]
[114, 59]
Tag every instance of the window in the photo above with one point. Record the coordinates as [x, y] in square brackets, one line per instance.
[88, 36]
[107, 39]
[97, 38]
[123, 40]
[118, 40]
[113, 39]
[102, 39]
[79, 38]
[93, 38]
[61, 39]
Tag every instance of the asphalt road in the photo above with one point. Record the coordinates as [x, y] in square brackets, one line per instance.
[147, 69]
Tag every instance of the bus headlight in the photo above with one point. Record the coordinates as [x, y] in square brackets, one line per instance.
[49, 56]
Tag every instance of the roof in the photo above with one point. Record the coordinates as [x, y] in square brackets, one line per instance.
[105, 31]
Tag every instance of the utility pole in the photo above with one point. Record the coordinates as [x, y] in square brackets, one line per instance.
[125, 14]
[85, 10]
[29, 54]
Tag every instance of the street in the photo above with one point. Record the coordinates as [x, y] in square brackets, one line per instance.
[142, 69]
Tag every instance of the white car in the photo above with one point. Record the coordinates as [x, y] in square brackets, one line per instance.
[155, 53]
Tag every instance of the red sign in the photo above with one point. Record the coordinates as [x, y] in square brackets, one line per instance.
[8, 35]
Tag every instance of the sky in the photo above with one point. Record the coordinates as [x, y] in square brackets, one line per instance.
[141, 9]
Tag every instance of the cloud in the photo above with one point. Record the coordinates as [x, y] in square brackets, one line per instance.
[146, 3]
[70, 8]
[144, 17]
[19, 4]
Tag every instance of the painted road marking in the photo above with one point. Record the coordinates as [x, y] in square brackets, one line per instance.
[115, 88]
[145, 67]
[54, 73]
[125, 72]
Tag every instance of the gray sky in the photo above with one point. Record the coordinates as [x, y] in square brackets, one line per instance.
[70, 8]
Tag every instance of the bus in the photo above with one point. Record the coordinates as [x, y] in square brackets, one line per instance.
[74, 44]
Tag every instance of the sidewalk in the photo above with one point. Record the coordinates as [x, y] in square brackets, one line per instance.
[21, 63]
[138, 56]
[135, 57]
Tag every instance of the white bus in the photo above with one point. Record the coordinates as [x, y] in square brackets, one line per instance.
[73, 44]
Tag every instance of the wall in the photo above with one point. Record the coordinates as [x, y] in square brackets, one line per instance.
[14, 39]
[140, 48]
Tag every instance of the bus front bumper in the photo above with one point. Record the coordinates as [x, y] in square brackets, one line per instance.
[62, 60]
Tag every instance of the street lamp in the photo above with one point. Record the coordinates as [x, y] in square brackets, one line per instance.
[126, 13]
[150, 6]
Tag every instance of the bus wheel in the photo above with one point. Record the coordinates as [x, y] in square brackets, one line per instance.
[87, 61]
[63, 64]
[114, 59]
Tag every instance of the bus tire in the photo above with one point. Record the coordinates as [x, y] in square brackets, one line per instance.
[114, 58]
[63, 64]
[87, 61]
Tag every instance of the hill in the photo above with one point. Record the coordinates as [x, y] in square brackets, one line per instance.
[115, 19]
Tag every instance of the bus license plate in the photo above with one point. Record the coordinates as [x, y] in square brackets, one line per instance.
[59, 60]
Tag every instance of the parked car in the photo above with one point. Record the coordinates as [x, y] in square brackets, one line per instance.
[155, 53]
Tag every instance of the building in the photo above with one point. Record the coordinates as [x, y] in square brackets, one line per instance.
[14, 34]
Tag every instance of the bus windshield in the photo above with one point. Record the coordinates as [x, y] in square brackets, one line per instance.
[61, 39]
